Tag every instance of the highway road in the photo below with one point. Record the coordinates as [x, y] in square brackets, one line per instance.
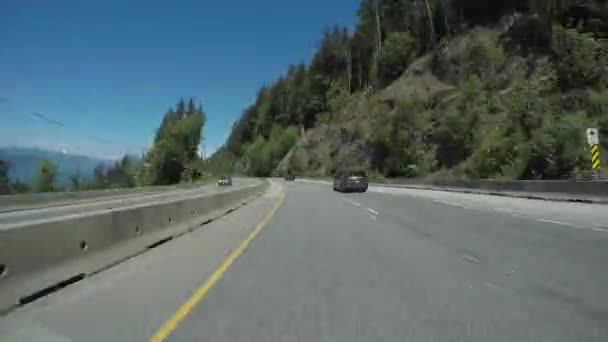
[18, 218]
[303, 263]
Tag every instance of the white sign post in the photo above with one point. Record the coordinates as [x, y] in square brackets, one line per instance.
[593, 136]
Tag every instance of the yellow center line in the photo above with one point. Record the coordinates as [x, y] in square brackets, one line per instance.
[200, 294]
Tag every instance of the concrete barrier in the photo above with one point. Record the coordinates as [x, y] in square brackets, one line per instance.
[583, 191]
[37, 258]
[554, 190]
[38, 200]
[13, 202]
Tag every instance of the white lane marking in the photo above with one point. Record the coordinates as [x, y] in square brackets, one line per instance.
[452, 204]
[372, 211]
[572, 226]
[490, 285]
[471, 258]
[352, 203]
[510, 212]
[558, 223]
[505, 210]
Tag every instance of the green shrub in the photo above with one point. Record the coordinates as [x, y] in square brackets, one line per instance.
[559, 147]
[337, 96]
[45, 176]
[164, 163]
[483, 59]
[264, 155]
[580, 59]
[397, 53]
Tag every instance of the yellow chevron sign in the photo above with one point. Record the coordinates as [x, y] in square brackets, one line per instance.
[595, 156]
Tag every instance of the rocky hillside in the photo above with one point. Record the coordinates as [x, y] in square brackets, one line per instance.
[472, 108]
[505, 93]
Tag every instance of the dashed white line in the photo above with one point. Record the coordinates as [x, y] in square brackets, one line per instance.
[504, 210]
[490, 285]
[471, 258]
[372, 211]
[557, 222]
[352, 203]
[572, 226]
[452, 204]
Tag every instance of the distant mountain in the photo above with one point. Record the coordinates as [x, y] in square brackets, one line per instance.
[25, 161]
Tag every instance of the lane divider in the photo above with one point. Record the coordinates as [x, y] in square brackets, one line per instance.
[358, 205]
[557, 222]
[172, 324]
[453, 204]
[372, 211]
[570, 225]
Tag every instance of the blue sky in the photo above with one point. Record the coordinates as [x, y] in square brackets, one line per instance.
[104, 72]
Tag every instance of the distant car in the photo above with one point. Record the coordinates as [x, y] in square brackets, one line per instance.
[350, 181]
[290, 177]
[225, 180]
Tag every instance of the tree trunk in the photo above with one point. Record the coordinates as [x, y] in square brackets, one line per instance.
[349, 69]
[431, 25]
[446, 21]
[360, 74]
[379, 32]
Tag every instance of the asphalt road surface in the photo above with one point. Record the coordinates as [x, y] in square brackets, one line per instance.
[387, 265]
[18, 218]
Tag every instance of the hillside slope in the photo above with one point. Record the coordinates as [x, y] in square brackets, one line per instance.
[502, 93]
[472, 109]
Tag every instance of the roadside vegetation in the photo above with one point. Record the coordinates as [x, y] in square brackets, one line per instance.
[173, 158]
[437, 88]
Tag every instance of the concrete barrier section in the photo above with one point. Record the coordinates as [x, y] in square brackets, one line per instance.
[555, 190]
[587, 191]
[17, 202]
[36, 258]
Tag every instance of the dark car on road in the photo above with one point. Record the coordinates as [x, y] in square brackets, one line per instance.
[347, 181]
[225, 180]
[290, 177]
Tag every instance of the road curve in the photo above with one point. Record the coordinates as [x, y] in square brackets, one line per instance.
[392, 265]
